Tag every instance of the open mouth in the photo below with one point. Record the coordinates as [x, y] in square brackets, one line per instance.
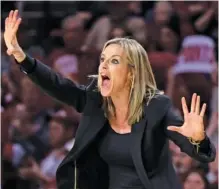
[105, 81]
[104, 77]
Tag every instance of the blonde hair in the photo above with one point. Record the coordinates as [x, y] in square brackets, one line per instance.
[143, 85]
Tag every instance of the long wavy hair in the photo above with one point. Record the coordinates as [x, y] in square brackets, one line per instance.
[142, 85]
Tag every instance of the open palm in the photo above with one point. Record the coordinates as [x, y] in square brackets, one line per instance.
[12, 23]
[193, 126]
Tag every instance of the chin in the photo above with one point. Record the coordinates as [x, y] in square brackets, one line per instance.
[105, 93]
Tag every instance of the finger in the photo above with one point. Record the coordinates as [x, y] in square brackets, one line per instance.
[174, 128]
[203, 110]
[9, 51]
[197, 105]
[193, 102]
[184, 106]
[14, 18]
[6, 23]
[10, 16]
[16, 26]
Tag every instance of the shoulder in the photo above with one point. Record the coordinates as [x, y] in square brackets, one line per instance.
[160, 99]
[164, 107]
[159, 105]
[157, 108]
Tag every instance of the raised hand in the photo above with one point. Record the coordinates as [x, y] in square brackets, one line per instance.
[193, 126]
[12, 23]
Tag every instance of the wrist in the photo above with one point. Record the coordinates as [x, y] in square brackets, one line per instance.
[19, 56]
[198, 138]
[202, 136]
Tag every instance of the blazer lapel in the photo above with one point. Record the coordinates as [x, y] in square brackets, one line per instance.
[88, 134]
[152, 113]
[91, 130]
[138, 130]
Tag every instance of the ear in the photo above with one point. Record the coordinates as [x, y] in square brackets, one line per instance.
[130, 79]
[130, 75]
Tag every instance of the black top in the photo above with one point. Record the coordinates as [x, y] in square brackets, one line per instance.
[114, 148]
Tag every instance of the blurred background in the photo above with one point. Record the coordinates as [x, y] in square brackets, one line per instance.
[181, 39]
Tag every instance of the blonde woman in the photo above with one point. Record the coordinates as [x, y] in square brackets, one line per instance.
[122, 140]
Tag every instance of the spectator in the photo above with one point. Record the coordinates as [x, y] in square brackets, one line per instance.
[169, 40]
[137, 27]
[61, 131]
[99, 33]
[161, 13]
[119, 31]
[212, 174]
[195, 179]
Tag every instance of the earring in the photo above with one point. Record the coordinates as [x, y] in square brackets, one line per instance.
[132, 82]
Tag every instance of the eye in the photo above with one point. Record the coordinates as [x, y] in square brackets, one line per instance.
[101, 59]
[114, 61]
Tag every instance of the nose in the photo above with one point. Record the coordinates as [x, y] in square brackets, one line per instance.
[104, 64]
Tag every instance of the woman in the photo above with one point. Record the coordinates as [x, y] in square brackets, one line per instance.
[195, 179]
[122, 139]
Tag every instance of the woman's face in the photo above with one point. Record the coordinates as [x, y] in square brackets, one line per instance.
[194, 181]
[168, 40]
[162, 13]
[113, 71]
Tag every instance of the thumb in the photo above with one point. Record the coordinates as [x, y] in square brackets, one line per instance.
[10, 50]
[174, 128]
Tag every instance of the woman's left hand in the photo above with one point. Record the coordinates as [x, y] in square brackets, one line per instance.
[193, 126]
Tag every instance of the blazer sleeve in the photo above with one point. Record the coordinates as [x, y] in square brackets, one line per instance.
[206, 151]
[60, 88]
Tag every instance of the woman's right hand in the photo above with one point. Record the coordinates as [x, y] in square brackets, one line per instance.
[12, 23]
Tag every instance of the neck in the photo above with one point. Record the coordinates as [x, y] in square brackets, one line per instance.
[121, 102]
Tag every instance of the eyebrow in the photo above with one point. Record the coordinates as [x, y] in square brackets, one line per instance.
[112, 55]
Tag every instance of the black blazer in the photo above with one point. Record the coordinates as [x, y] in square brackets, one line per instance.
[83, 168]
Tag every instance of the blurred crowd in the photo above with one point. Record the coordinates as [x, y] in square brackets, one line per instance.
[181, 41]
